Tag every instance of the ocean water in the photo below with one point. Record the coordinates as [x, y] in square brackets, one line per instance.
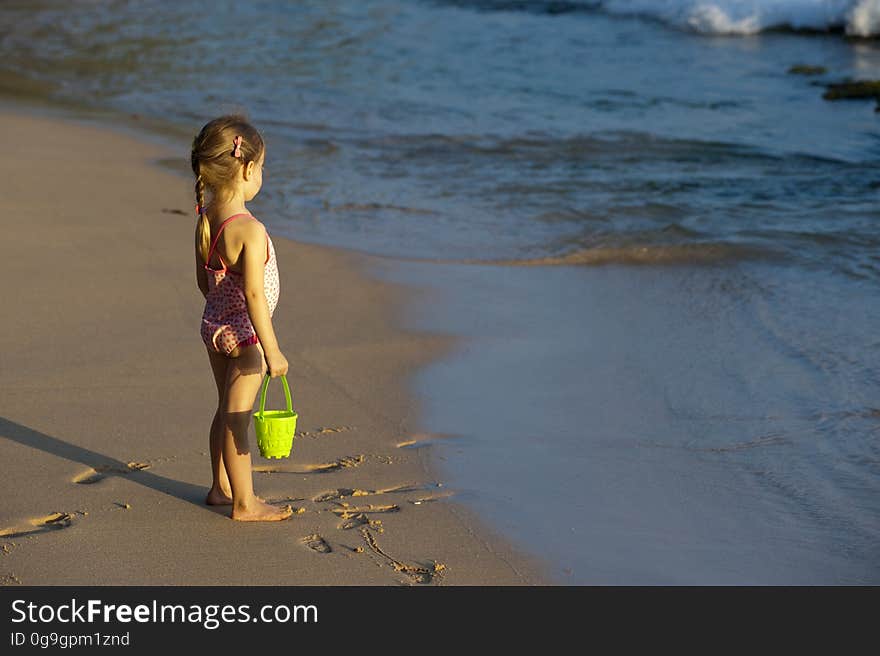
[659, 246]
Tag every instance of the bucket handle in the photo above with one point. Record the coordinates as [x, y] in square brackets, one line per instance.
[266, 387]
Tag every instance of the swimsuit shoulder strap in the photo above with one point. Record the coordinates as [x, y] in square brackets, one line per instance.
[214, 243]
[268, 252]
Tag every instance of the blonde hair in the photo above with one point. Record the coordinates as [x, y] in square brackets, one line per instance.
[215, 165]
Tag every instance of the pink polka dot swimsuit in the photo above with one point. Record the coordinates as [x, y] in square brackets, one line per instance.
[225, 321]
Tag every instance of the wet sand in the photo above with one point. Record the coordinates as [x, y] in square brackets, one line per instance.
[107, 396]
[647, 425]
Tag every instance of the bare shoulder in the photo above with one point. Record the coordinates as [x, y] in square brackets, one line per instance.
[244, 229]
[251, 231]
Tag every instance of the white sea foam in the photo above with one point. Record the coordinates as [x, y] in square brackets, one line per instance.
[857, 17]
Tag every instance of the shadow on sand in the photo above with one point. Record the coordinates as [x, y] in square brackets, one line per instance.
[103, 464]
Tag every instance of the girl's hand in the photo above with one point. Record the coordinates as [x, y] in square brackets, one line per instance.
[277, 364]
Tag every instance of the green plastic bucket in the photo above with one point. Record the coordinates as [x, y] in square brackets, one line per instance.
[275, 428]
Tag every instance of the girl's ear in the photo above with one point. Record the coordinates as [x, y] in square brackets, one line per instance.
[249, 169]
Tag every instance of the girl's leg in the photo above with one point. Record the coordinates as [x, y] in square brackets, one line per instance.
[244, 375]
[220, 493]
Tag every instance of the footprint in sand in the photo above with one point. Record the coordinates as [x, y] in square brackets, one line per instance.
[324, 430]
[53, 522]
[346, 492]
[345, 511]
[341, 463]
[316, 543]
[341, 493]
[354, 517]
[323, 468]
[96, 474]
[359, 520]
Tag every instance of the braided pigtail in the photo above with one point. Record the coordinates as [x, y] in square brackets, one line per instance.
[203, 227]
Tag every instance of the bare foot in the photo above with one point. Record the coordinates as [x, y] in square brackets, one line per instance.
[218, 498]
[260, 511]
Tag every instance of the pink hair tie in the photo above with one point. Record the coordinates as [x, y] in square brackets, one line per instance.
[237, 143]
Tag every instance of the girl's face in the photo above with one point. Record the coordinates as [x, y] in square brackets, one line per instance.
[254, 177]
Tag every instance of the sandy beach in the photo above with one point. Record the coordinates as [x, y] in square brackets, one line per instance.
[107, 396]
[543, 326]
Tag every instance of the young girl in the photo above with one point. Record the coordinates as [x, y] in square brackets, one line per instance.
[236, 271]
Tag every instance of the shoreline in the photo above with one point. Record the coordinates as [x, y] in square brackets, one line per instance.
[103, 472]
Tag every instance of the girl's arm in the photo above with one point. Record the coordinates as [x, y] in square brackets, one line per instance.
[201, 274]
[253, 258]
